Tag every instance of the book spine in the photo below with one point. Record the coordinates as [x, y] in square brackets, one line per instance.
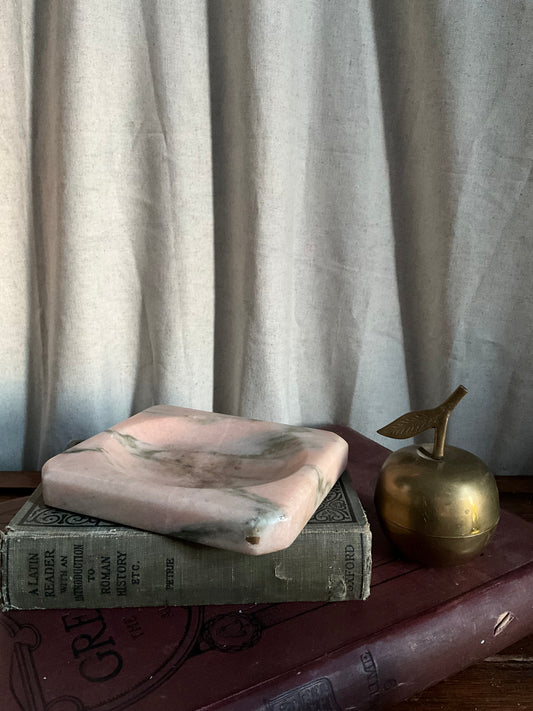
[404, 659]
[129, 568]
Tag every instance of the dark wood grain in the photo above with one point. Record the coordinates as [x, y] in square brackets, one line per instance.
[488, 686]
[17, 484]
[8, 508]
[19, 480]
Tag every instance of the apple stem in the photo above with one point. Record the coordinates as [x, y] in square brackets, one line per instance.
[441, 423]
[440, 437]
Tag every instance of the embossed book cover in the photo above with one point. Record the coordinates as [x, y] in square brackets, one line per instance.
[418, 626]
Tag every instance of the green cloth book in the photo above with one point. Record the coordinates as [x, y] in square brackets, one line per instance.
[58, 559]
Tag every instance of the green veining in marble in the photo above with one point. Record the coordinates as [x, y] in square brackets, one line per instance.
[207, 468]
[76, 449]
[322, 485]
[267, 506]
[136, 446]
[276, 446]
[250, 530]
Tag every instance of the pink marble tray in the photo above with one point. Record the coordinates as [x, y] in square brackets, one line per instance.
[244, 485]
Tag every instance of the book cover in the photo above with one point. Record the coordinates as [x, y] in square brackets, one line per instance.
[58, 559]
[418, 626]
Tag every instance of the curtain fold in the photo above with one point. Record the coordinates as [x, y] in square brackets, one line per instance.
[307, 212]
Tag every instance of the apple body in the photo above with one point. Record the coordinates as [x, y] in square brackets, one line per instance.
[437, 512]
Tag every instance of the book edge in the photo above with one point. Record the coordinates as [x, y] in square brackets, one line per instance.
[347, 648]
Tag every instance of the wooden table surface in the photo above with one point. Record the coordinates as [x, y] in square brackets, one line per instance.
[503, 682]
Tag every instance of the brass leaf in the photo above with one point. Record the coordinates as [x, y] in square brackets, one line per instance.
[409, 425]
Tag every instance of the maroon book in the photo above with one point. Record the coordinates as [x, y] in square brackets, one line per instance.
[418, 626]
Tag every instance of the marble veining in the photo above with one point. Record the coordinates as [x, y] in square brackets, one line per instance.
[225, 481]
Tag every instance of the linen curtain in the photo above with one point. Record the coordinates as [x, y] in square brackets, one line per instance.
[306, 211]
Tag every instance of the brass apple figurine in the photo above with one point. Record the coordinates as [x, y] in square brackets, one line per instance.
[439, 505]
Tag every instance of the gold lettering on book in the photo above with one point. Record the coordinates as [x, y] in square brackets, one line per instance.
[121, 576]
[49, 573]
[105, 574]
[349, 568]
[371, 672]
[77, 572]
[169, 574]
[33, 574]
[63, 574]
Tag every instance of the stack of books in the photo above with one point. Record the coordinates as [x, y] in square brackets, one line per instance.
[134, 620]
